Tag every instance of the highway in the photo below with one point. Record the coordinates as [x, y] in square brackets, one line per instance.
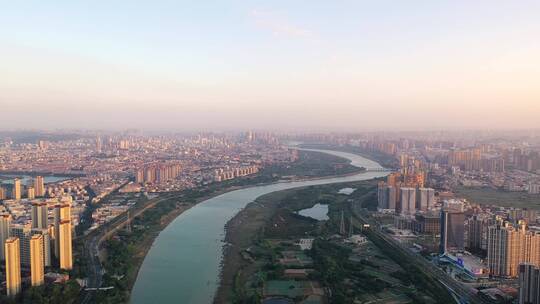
[94, 239]
[463, 292]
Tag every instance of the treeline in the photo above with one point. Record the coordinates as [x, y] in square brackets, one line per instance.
[54, 293]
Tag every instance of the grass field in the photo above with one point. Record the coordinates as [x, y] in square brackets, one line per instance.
[488, 196]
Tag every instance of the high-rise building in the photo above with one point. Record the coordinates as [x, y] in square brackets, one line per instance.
[3, 195]
[66, 259]
[61, 212]
[13, 266]
[408, 200]
[39, 186]
[509, 246]
[392, 197]
[529, 284]
[23, 233]
[16, 190]
[426, 198]
[46, 244]
[123, 144]
[403, 160]
[98, 144]
[43, 145]
[139, 176]
[150, 175]
[5, 221]
[392, 178]
[452, 230]
[161, 173]
[502, 250]
[37, 267]
[428, 223]
[477, 227]
[382, 196]
[40, 215]
[30, 193]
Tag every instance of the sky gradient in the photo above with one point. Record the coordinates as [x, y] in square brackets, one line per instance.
[283, 65]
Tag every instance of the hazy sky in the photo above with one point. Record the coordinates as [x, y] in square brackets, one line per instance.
[320, 65]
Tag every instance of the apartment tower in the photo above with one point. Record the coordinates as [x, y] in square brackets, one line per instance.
[37, 267]
[13, 266]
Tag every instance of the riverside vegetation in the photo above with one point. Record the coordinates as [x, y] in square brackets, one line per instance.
[125, 251]
[264, 237]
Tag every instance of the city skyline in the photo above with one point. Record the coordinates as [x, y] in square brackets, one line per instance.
[80, 212]
[270, 152]
[281, 66]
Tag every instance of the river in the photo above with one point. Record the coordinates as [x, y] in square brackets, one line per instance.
[183, 264]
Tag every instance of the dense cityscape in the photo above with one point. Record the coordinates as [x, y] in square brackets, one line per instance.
[465, 205]
[39, 219]
[270, 152]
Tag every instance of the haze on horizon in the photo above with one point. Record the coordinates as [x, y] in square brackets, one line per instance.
[286, 65]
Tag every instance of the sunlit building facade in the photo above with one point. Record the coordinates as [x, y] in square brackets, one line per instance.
[13, 266]
[37, 267]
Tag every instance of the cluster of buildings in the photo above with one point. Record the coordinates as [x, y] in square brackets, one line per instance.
[17, 191]
[525, 159]
[484, 244]
[37, 244]
[405, 194]
[504, 244]
[494, 245]
[157, 163]
[157, 173]
[501, 244]
[509, 245]
[497, 160]
[475, 160]
[506, 241]
[223, 174]
[37, 218]
[91, 167]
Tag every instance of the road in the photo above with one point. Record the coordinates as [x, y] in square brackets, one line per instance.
[94, 239]
[464, 292]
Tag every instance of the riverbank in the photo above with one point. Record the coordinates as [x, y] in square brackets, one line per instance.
[267, 228]
[124, 253]
[123, 269]
[148, 241]
[240, 232]
[250, 227]
[231, 237]
[194, 245]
